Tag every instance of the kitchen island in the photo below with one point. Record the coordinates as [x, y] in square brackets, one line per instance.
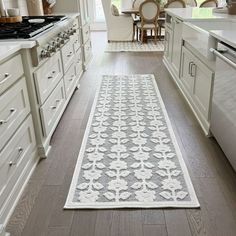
[190, 33]
[200, 54]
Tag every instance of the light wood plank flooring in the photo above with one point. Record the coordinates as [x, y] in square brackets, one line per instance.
[40, 210]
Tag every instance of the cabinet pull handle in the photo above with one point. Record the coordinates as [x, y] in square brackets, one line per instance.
[69, 55]
[20, 151]
[55, 106]
[189, 67]
[6, 77]
[12, 112]
[191, 70]
[225, 59]
[71, 78]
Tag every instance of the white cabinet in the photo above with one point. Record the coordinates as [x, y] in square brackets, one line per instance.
[168, 43]
[18, 156]
[196, 81]
[173, 42]
[191, 75]
[176, 44]
[185, 76]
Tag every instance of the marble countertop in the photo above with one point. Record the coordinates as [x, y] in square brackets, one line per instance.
[198, 14]
[227, 36]
[9, 48]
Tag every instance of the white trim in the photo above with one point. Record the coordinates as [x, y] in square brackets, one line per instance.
[106, 205]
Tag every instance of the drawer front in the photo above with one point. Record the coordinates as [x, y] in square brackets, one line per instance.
[8, 75]
[15, 156]
[79, 63]
[67, 55]
[52, 108]
[48, 76]
[86, 33]
[70, 80]
[87, 51]
[76, 42]
[14, 107]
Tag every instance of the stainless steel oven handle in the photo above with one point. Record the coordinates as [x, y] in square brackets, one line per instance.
[225, 59]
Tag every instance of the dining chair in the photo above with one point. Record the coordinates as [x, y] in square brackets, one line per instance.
[149, 12]
[191, 3]
[209, 3]
[175, 4]
[137, 3]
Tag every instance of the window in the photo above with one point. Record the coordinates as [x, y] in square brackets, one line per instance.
[98, 11]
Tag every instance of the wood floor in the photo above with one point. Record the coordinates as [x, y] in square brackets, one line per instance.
[40, 210]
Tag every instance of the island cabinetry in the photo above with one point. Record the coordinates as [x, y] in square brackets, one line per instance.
[196, 82]
[173, 43]
[177, 43]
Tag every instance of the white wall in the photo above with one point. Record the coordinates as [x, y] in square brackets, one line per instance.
[21, 4]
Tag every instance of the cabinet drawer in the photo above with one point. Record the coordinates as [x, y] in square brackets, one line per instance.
[70, 80]
[15, 156]
[52, 108]
[78, 63]
[76, 42]
[48, 76]
[14, 107]
[8, 75]
[87, 51]
[67, 55]
[86, 33]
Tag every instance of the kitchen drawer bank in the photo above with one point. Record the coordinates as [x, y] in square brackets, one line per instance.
[18, 150]
[52, 78]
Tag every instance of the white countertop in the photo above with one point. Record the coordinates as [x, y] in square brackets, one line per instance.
[9, 48]
[198, 14]
[229, 37]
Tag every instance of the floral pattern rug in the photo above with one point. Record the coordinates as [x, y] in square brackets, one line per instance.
[129, 156]
[135, 47]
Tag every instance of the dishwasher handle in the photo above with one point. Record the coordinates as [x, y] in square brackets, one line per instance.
[225, 59]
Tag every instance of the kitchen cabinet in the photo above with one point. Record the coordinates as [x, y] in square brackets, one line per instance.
[168, 43]
[18, 151]
[173, 42]
[176, 44]
[81, 6]
[191, 75]
[196, 81]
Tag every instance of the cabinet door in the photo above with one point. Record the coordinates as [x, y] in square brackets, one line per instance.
[168, 43]
[186, 77]
[202, 92]
[177, 42]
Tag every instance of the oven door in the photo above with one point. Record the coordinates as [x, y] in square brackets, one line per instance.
[223, 116]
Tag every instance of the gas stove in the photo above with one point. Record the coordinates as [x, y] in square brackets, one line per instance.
[29, 28]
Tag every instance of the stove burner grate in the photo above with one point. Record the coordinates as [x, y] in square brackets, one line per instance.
[25, 29]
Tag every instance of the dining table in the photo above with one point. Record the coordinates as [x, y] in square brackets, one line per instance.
[130, 11]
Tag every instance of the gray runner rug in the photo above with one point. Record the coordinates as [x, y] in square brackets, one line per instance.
[129, 156]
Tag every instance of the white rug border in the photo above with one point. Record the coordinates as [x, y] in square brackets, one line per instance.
[194, 203]
[133, 50]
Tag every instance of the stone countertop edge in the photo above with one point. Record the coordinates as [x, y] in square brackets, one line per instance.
[199, 14]
[226, 36]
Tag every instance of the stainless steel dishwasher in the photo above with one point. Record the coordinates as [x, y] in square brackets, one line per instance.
[223, 116]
